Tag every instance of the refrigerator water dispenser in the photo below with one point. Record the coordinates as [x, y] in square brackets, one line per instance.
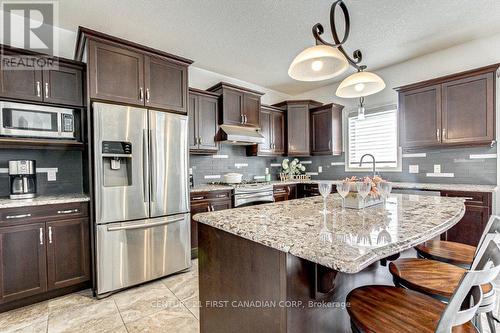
[117, 163]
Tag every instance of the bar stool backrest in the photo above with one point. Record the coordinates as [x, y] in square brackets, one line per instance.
[467, 297]
[492, 227]
[480, 261]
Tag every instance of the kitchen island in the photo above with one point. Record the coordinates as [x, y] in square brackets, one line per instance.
[286, 267]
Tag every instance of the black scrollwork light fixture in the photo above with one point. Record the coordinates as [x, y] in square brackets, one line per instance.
[326, 60]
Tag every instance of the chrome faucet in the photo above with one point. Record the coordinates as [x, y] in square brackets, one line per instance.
[373, 158]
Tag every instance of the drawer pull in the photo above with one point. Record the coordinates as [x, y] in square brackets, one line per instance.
[221, 195]
[69, 211]
[8, 217]
[197, 198]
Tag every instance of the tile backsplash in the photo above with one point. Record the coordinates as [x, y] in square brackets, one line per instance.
[68, 164]
[476, 165]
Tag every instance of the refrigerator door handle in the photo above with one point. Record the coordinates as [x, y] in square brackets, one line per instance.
[153, 166]
[146, 225]
[145, 164]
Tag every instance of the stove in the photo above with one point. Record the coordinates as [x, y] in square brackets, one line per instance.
[250, 193]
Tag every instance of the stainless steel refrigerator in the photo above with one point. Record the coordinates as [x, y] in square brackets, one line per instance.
[141, 195]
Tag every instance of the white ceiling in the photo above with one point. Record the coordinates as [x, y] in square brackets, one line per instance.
[255, 40]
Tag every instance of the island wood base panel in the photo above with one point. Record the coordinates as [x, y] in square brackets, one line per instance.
[234, 270]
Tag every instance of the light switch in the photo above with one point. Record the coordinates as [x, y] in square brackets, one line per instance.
[320, 169]
[413, 168]
[437, 168]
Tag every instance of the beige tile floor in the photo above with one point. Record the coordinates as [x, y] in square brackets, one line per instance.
[164, 306]
[167, 306]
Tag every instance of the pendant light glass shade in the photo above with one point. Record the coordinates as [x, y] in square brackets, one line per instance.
[360, 84]
[318, 63]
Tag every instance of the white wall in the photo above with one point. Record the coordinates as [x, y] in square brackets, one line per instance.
[459, 58]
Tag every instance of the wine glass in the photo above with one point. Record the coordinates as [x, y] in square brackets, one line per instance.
[363, 189]
[324, 189]
[343, 190]
[384, 188]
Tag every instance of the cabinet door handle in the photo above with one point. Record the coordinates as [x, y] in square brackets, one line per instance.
[197, 198]
[41, 236]
[221, 196]
[69, 211]
[50, 235]
[437, 135]
[444, 133]
[46, 90]
[329, 144]
[242, 119]
[213, 210]
[208, 208]
[141, 94]
[8, 217]
[147, 95]
[38, 89]
[200, 141]
[246, 119]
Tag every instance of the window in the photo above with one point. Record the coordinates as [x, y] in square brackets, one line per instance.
[377, 134]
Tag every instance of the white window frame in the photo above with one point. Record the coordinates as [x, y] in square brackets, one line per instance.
[353, 113]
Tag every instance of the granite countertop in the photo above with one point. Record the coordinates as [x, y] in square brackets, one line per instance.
[396, 185]
[346, 241]
[5, 202]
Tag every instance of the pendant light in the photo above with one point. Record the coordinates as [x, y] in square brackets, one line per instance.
[360, 84]
[323, 61]
[318, 63]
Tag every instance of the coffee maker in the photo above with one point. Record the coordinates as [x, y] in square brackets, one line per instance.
[22, 178]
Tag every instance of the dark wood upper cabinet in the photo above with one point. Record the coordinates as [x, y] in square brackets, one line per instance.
[63, 86]
[468, 112]
[23, 84]
[420, 112]
[22, 261]
[298, 126]
[251, 109]
[126, 72]
[203, 113]
[326, 130]
[237, 105]
[166, 84]
[68, 252]
[278, 132]
[272, 127]
[193, 121]
[455, 110]
[266, 131]
[116, 73]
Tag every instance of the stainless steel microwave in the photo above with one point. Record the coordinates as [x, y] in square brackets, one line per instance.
[37, 121]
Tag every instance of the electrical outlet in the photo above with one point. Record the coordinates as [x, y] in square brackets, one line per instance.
[51, 176]
[413, 168]
[437, 168]
[320, 169]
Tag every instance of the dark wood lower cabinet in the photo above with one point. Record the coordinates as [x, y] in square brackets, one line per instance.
[478, 209]
[22, 261]
[202, 202]
[285, 192]
[68, 257]
[44, 252]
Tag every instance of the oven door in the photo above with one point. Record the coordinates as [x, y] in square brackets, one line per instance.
[27, 120]
[241, 200]
[130, 253]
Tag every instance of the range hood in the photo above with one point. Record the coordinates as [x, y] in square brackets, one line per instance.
[239, 135]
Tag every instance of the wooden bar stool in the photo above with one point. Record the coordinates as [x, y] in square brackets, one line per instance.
[455, 253]
[385, 309]
[439, 280]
